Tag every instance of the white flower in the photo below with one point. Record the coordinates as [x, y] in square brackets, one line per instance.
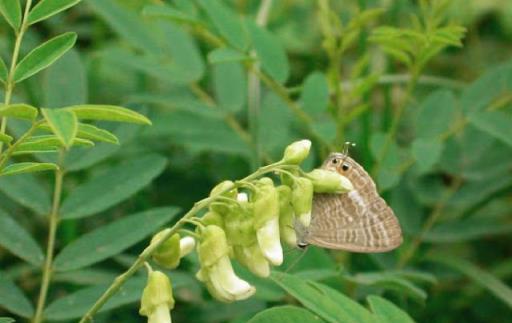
[187, 244]
[157, 299]
[269, 241]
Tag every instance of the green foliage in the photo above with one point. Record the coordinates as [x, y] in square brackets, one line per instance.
[428, 107]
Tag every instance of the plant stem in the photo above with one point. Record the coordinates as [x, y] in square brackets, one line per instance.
[254, 92]
[9, 84]
[396, 120]
[8, 153]
[52, 232]
[146, 254]
[432, 219]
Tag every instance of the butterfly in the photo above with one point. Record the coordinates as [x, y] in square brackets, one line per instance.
[358, 221]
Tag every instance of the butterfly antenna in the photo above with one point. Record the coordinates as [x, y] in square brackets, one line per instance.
[346, 147]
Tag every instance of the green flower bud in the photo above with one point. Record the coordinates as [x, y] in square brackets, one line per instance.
[213, 246]
[286, 216]
[302, 199]
[326, 181]
[239, 224]
[221, 207]
[212, 217]
[297, 152]
[157, 299]
[167, 254]
[266, 202]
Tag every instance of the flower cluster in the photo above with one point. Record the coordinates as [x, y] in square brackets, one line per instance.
[247, 220]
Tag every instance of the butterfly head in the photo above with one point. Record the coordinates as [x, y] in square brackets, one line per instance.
[338, 162]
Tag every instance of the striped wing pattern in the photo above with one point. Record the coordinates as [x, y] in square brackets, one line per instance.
[358, 221]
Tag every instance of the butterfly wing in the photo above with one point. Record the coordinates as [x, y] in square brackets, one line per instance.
[359, 221]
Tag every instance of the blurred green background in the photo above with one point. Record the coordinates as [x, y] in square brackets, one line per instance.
[446, 172]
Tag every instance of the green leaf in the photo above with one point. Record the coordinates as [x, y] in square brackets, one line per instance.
[285, 314]
[479, 276]
[77, 303]
[225, 55]
[112, 186]
[270, 52]
[65, 82]
[5, 138]
[28, 167]
[466, 230]
[495, 123]
[387, 312]
[28, 192]
[3, 71]
[186, 59]
[493, 85]
[44, 9]
[389, 172]
[227, 22]
[112, 239]
[426, 152]
[108, 113]
[437, 114]
[11, 10]
[168, 12]
[389, 281]
[19, 111]
[230, 85]
[18, 241]
[7, 320]
[44, 55]
[78, 160]
[324, 301]
[315, 94]
[47, 143]
[94, 133]
[13, 299]
[128, 24]
[64, 124]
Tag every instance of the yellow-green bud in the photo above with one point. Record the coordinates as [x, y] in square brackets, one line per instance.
[157, 299]
[212, 217]
[302, 199]
[213, 245]
[221, 207]
[167, 254]
[286, 216]
[266, 202]
[297, 152]
[239, 224]
[326, 181]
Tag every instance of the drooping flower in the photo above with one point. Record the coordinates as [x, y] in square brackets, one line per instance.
[157, 299]
[302, 199]
[266, 221]
[216, 270]
[286, 216]
[242, 236]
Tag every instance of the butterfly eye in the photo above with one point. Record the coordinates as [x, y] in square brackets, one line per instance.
[334, 161]
[345, 167]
